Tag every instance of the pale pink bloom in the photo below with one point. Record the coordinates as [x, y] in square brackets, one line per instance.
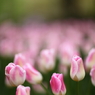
[19, 59]
[46, 61]
[15, 75]
[22, 90]
[90, 60]
[57, 84]
[32, 75]
[77, 71]
[92, 74]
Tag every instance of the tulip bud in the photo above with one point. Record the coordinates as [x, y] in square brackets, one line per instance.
[77, 71]
[92, 74]
[46, 60]
[57, 84]
[32, 75]
[19, 60]
[15, 75]
[90, 60]
[21, 90]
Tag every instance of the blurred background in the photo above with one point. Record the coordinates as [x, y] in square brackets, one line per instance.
[29, 26]
[45, 10]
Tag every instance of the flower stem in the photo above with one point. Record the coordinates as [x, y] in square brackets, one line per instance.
[89, 86]
[77, 88]
[46, 89]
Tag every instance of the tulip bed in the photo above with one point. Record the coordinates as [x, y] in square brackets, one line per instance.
[47, 53]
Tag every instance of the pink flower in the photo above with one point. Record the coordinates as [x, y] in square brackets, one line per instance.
[92, 74]
[15, 75]
[77, 71]
[32, 75]
[90, 60]
[57, 84]
[46, 60]
[21, 90]
[20, 59]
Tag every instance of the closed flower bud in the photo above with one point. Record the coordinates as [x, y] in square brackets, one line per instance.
[15, 75]
[46, 60]
[77, 71]
[32, 75]
[19, 60]
[21, 90]
[90, 60]
[92, 74]
[57, 84]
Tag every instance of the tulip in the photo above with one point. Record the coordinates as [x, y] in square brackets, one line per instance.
[90, 60]
[57, 84]
[77, 71]
[15, 75]
[92, 74]
[21, 90]
[32, 75]
[20, 59]
[46, 60]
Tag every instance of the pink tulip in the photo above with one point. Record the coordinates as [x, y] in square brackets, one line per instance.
[20, 59]
[90, 60]
[32, 75]
[15, 75]
[46, 60]
[21, 90]
[77, 71]
[92, 74]
[57, 84]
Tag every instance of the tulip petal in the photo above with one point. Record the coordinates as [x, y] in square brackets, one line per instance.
[90, 60]
[55, 84]
[8, 68]
[19, 60]
[74, 69]
[92, 74]
[63, 88]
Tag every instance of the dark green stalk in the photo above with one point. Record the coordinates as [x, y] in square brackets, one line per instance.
[89, 87]
[77, 88]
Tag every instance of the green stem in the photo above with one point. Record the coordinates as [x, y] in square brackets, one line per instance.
[46, 89]
[89, 86]
[77, 88]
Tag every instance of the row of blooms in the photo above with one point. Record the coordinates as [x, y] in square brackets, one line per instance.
[34, 37]
[21, 69]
